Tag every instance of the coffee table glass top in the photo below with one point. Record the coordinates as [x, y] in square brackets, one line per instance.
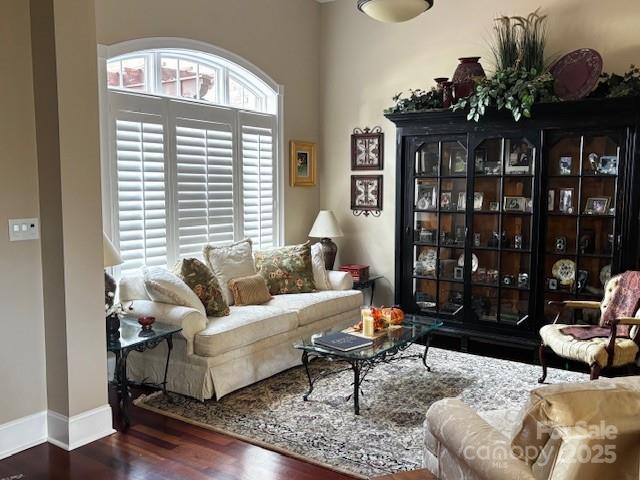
[412, 329]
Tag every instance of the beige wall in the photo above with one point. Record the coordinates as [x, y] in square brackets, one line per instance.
[279, 36]
[22, 375]
[364, 63]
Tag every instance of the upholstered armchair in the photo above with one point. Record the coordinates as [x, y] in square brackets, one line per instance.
[598, 353]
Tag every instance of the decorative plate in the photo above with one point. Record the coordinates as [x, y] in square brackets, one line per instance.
[474, 262]
[430, 259]
[565, 271]
[605, 274]
[576, 74]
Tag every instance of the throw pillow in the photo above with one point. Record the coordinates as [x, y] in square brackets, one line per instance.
[165, 287]
[204, 284]
[320, 274]
[250, 290]
[228, 262]
[287, 269]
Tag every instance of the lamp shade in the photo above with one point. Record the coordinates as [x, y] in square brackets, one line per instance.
[394, 11]
[326, 226]
[110, 254]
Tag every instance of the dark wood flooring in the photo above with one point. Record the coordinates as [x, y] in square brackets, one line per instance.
[160, 448]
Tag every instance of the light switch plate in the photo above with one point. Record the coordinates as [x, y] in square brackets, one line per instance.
[24, 229]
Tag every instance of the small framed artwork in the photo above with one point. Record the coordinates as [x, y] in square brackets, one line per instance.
[565, 204]
[462, 201]
[366, 195]
[515, 204]
[458, 273]
[367, 149]
[520, 158]
[302, 164]
[478, 199]
[552, 284]
[459, 163]
[481, 160]
[494, 206]
[445, 201]
[564, 165]
[551, 200]
[608, 165]
[597, 205]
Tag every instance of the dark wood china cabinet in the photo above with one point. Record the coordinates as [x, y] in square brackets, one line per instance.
[496, 218]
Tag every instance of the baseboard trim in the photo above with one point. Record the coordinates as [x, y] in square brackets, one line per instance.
[70, 433]
[23, 433]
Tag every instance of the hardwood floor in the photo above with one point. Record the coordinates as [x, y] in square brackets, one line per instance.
[160, 448]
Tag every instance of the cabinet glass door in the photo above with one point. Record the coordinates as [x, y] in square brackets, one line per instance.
[503, 179]
[580, 240]
[439, 226]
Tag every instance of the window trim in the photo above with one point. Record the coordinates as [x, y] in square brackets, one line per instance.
[105, 52]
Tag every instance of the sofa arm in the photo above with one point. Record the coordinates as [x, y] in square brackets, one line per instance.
[190, 319]
[475, 445]
[340, 280]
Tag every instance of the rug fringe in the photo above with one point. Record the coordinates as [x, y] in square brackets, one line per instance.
[140, 402]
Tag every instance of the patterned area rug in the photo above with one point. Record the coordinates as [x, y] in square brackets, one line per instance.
[387, 437]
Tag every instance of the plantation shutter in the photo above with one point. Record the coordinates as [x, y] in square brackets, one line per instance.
[140, 149]
[258, 177]
[204, 178]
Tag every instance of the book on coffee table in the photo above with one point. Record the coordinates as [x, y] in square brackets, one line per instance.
[344, 342]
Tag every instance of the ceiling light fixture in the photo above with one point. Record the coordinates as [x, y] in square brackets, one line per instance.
[394, 11]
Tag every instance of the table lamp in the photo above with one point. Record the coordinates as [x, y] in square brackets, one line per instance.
[111, 258]
[325, 227]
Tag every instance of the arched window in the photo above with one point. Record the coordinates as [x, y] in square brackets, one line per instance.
[192, 154]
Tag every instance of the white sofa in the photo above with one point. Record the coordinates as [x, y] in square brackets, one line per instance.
[215, 356]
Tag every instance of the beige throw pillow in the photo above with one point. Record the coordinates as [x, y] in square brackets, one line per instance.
[320, 274]
[250, 290]
[228, 262]
[165, 287]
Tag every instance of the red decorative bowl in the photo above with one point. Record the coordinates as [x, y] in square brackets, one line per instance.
[146, 322]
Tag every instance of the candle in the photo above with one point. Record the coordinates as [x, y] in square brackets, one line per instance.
[367, 326]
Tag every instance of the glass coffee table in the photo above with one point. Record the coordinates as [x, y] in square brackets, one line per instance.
[385, 348]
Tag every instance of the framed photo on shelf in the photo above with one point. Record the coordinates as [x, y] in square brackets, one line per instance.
[458, 163]
[445, 201]
[520, 157]
[551, 200]
[478, 199]
[302, 164]
[462, 201]
[494, 206]
[608, 165]
[565, 202]
[564, 165]
[426, 197]
[367, 149]
[515, 204]
[481, 160]
[597, 205]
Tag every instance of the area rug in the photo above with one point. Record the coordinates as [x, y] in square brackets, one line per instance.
[387, 436]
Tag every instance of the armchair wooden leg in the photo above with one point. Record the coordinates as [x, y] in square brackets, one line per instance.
[595, 371]
[541, 357]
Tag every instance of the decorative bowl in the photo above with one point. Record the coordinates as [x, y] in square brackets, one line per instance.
[146, 322]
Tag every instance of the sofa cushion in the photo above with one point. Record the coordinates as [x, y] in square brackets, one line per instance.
[251, 290]
[204, 284]
[287, 269]
[243, 326]
[165, 287]
[228, 262]
[320, 274]
[311, 307]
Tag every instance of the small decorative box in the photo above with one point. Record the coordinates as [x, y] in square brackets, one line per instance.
[360, 273]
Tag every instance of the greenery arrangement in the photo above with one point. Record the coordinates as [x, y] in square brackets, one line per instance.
[625, 85]
[521, 78]
[418, 100]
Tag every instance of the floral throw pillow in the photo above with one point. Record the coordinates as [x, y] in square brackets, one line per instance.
[203, 282]
[286, 269]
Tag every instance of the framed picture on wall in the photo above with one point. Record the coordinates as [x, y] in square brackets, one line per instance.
[366, 194]
[367, 149]
[302, 164]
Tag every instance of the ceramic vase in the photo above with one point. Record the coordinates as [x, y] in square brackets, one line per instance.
[468, 72]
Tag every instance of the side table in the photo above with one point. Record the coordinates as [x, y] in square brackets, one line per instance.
[370, 284]
[133, 338]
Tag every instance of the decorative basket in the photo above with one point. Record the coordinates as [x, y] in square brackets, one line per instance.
[360, 273]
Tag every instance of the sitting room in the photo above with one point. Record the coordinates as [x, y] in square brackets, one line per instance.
[320, 239]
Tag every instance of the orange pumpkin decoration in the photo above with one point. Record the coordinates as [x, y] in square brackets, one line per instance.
[393, 315]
